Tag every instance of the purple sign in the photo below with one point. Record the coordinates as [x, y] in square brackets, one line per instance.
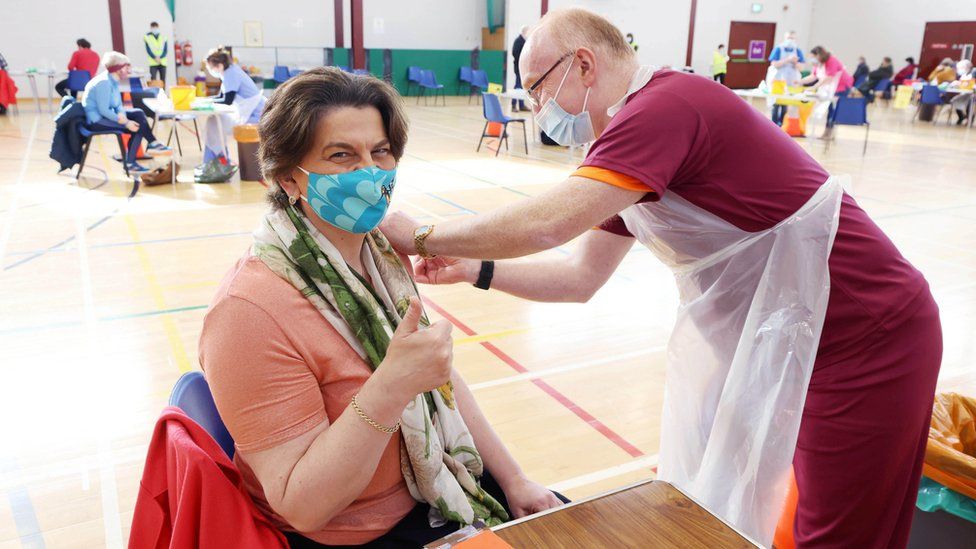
[757, 50]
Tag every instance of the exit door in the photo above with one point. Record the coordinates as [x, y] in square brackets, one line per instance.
[952, 39]
[749, 47]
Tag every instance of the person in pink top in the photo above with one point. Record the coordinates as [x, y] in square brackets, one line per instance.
[831, 72]
[803, 337]
[83, 59]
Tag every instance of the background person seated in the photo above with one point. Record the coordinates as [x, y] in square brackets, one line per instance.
[944, 73]
[83, 59]
[104, 110]
[885, 70]
[961, 102]
[905, 73]
[351, 425]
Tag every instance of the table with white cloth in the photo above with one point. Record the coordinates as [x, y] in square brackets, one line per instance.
[519, 94]
[203, 108]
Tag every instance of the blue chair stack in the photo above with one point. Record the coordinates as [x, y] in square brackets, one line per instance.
[428, 81]
[360, 72]
[492, 109]
[852, 111]
[192, 395]
[135, 84]
[479, 79]
[413, 77]
[882, 89]
[464, 78]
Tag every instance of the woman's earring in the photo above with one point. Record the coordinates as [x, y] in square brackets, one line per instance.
[292, 200]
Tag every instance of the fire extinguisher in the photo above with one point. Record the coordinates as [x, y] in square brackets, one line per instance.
[187, 53]
[179, 53]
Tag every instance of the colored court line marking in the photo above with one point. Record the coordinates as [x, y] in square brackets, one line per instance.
[533, 374]
[22, 509]
[493, 335]
[548, 389]
[646, 462]
[156, 291]
[56, 325]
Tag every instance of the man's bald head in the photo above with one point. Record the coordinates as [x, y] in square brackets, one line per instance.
[565, 30]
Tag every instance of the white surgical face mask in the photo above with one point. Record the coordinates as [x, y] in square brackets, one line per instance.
[564, 128]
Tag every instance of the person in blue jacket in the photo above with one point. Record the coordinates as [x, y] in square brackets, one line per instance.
[104, 110]
[786, 58]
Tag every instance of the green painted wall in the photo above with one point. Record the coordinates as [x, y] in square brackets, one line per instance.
[444, 63]
[340, 56]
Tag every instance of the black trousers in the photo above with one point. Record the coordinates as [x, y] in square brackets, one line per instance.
[136, 137]
[413, 530]
[720, 78]
[62, 89]
[518, 84]
[157, 72]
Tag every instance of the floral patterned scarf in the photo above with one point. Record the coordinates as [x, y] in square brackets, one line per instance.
[438, 458]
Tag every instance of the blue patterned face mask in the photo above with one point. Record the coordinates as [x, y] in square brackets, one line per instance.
[353, 201]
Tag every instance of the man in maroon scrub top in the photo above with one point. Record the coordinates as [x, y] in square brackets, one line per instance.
[803, 337]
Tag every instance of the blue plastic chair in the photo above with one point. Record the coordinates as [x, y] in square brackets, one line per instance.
[428, 81]
[281, 74]
[192, 395]
[479, 83]
[361, 72]
[343, 68]
[492, 109]
[931, 95]
[77, 80]
[860, 80]
[87, 134]
[294, 72]
[464, 77]
[882, 88]
[413, 77]
[852, 111]
[135, 83]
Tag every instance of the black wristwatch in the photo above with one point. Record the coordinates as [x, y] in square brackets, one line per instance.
[484, 277]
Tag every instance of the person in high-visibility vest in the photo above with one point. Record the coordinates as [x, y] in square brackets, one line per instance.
[720, 63]
[157, 47]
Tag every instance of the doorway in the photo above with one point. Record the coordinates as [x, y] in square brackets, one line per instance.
[952, 39]
[749, 47]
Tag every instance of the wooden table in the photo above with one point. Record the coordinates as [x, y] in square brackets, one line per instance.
[651, 513]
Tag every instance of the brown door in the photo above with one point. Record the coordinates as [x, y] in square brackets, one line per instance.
[749, 47]
[952, 39]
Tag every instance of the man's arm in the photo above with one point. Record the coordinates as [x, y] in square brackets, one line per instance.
[558, 215]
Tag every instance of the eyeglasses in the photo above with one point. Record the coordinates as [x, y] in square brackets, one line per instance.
[533, 100]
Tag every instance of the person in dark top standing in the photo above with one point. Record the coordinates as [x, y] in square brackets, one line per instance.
[157, 48]
[862, 68]
[516, 53]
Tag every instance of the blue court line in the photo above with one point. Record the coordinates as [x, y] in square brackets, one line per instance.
[128, 316]
[25, 518]
[40, 253]
[55, 248]
[448, 168]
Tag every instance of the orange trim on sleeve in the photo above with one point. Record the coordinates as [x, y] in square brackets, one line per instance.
[611, 177]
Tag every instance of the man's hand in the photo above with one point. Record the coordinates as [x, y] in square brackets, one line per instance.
[132, 126]
[446, 270]
[398, 228]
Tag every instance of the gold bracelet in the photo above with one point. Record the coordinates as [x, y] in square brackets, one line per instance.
[369, 420]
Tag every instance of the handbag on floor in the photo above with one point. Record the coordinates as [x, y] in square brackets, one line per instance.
[160, 176]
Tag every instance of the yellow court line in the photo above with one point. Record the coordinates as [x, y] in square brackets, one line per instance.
[155, 289]
[485, 337]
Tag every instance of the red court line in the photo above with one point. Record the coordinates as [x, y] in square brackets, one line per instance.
[548, 389]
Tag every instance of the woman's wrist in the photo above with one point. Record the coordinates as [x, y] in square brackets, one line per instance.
[472, 270]
[383, 401]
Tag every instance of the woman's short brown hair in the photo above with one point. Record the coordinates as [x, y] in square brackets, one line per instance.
[292, 115]
[219, 56]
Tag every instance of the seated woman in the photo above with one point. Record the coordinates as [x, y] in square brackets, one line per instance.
[944, 73]
[237, 89]
[318, 353]
[104, 110]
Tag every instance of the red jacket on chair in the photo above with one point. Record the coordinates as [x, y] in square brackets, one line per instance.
[191, 495]
[8, 90]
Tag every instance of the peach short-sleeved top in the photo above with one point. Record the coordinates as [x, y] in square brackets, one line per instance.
[277, 369]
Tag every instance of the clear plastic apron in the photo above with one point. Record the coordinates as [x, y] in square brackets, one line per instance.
[741, 354]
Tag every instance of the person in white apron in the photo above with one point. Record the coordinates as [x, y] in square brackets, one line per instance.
[237, 89]
[791, 343]
[785, 58]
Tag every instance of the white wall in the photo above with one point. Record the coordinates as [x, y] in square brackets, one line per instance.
[424, 24]
[713, 18]
[878, 28]
[32, 36]
[518, 13]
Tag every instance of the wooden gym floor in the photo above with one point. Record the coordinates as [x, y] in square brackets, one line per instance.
[102, 294]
